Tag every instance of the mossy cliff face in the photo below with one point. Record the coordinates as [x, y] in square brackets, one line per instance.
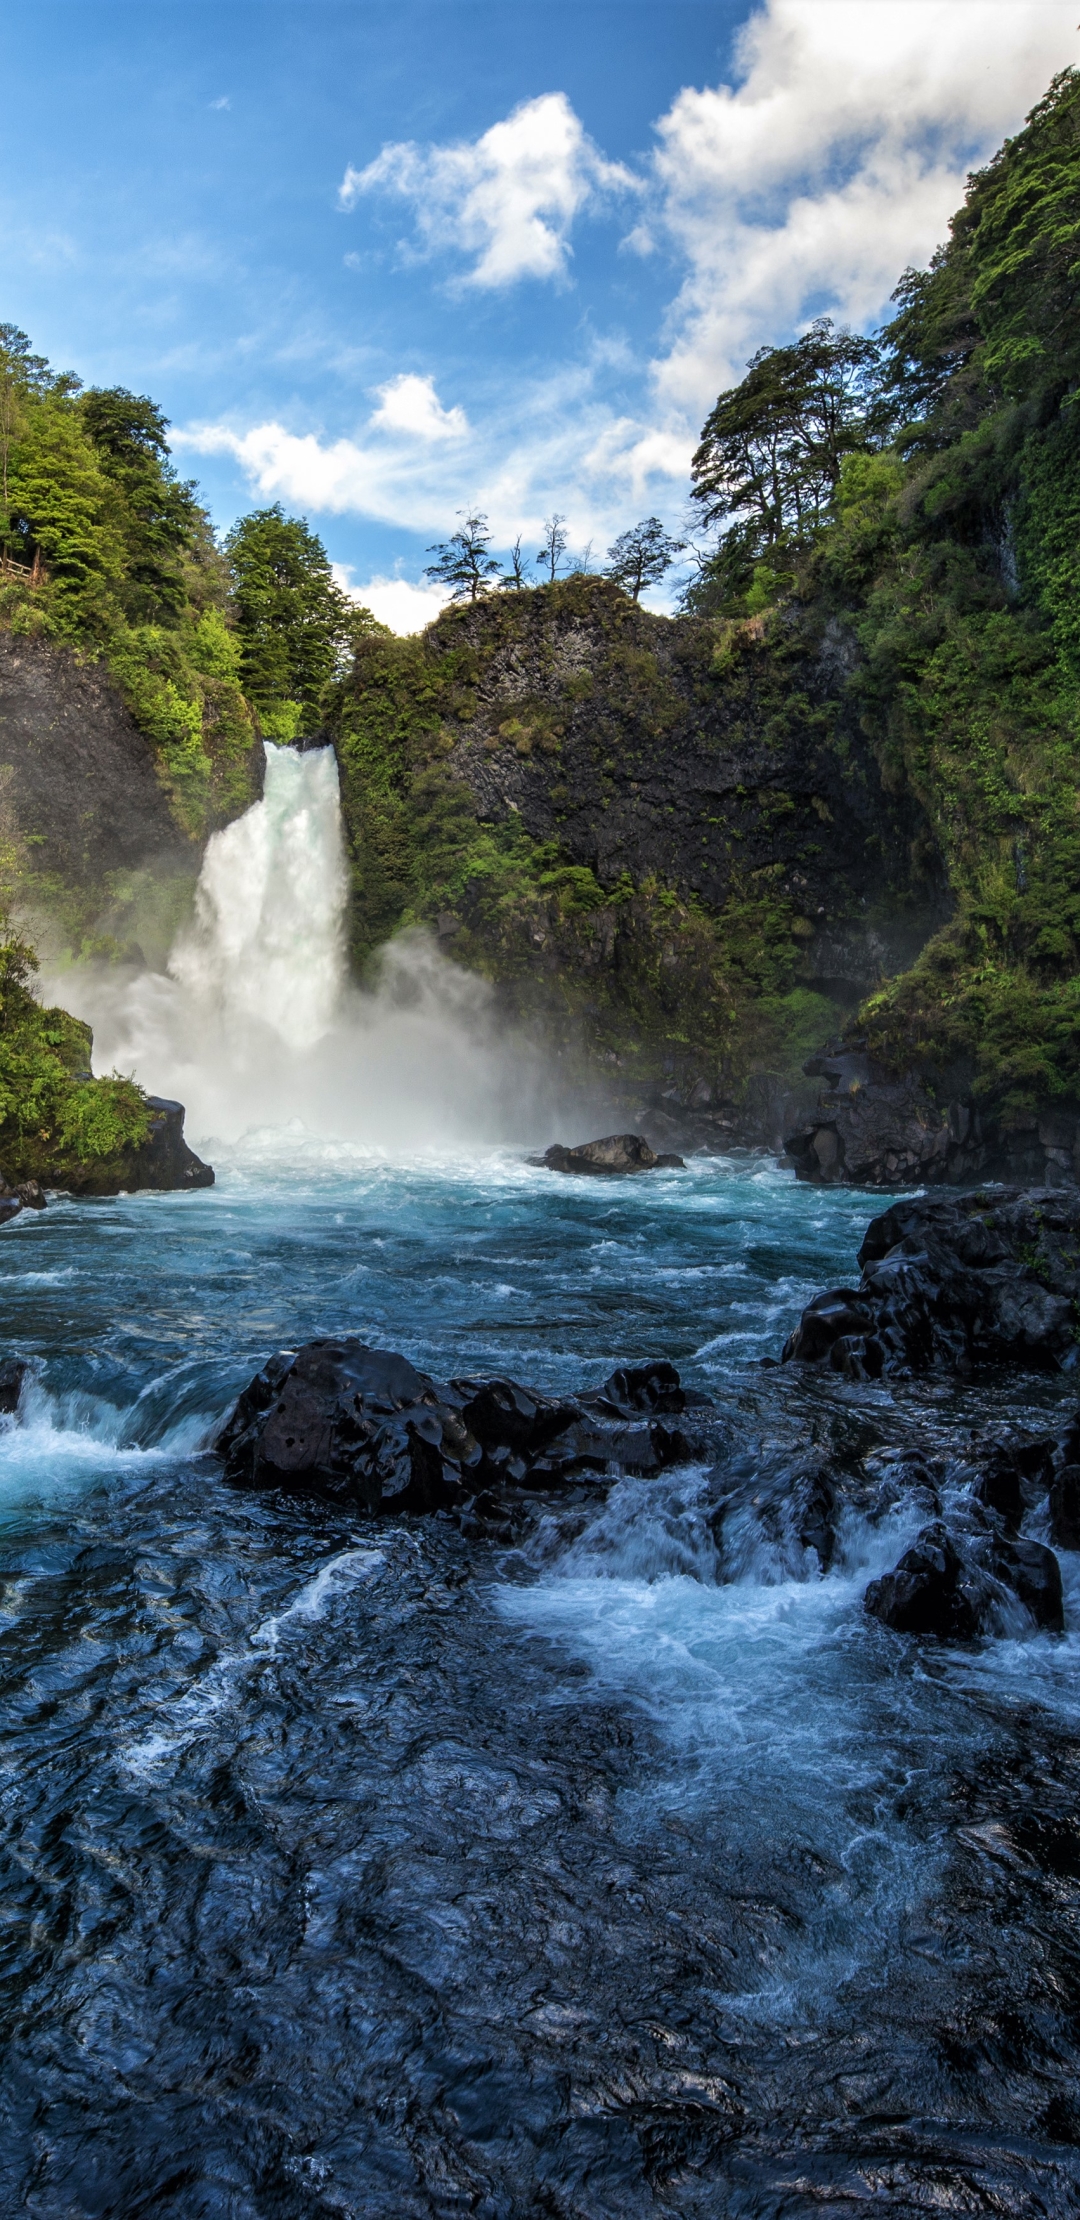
[92, 854]
[669, 836]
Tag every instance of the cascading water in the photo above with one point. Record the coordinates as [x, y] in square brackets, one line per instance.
[255, 1027]
[266, 949]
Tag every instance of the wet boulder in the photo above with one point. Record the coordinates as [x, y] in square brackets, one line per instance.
[774, 1512]
[164, 1159]
[27, 1195]
[13, 1374]
[1065, 1508]
[955, 1583]
[951, 1282]
[618, 1154]
[362, 1426]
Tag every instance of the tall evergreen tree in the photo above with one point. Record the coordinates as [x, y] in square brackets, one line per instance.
[296, 627]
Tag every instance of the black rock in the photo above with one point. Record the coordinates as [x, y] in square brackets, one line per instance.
[956, 1584]
[164, 1160]
[950, 1282]
[620, 1153]
[933, 1590]
[1065, 1508]
[363, 1426]
[13, 1373]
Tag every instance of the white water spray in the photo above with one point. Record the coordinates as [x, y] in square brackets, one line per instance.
[255, 1026]
[267, 946]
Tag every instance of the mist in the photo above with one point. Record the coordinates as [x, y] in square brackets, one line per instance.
[254, 1024]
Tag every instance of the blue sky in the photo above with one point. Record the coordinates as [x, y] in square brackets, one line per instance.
[388, 261]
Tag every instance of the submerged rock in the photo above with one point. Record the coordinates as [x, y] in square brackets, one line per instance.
[953, 1282]
[362, 1426]
[618, 1153]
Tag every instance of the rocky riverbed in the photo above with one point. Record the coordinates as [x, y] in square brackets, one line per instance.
[622, 1863]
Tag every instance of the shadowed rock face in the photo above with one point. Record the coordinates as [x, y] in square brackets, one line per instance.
[872, 1130]
[79, 777]
[362, 1426]
[953, 1282]
[165, 1161]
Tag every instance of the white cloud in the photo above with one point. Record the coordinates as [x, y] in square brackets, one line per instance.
[394, 601]
[835, 161]
[411, 405]
[508, 199]
[552, 445]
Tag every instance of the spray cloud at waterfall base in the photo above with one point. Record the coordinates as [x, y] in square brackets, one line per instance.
[255, 1025]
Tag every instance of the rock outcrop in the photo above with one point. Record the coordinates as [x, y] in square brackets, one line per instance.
[871, 1130]
[957, 1583]
[362, 1426]
[953, 1282]
[617, 1155]
[165, 1161]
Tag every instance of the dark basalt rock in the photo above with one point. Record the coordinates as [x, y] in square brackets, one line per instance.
[1065, 1508]
[619, 1153]
[165, 1161]
[789, 1504]
[362, 1426]
[871, 1129]
[27, 1195]
[953, 1282]
[13, 1372]
[957, 1585]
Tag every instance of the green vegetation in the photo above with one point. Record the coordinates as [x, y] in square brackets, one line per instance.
[57, 1124]
[296, 629]
[938, 522]
[104, 549]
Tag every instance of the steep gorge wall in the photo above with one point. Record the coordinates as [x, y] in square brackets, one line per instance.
[91, 853]
[671, 835]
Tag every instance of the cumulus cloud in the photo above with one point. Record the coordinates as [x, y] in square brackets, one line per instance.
[411, 405]
[394, 601]
[833, 161]
[507, 199]
[551, 444]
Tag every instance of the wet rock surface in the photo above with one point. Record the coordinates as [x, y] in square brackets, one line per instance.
[950, 1283]
[362, 1426]
[26, 1195]
[618, 1154]
[345, 1898]
[363, 1864]
[872, 1129]
[165, 1161]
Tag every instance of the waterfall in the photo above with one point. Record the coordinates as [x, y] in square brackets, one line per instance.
[267, 943]
[255, 1026]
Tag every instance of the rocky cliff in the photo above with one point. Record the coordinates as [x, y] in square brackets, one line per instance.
[668, 836]
[92, 854]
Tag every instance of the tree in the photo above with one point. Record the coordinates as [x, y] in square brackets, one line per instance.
[642, 556]
[771, 448]
[160, 514]
[514, 580]
[462, 562]
[554, 547]
[296, 626]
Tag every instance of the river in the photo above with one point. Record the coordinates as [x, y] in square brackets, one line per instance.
[357, 1868]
